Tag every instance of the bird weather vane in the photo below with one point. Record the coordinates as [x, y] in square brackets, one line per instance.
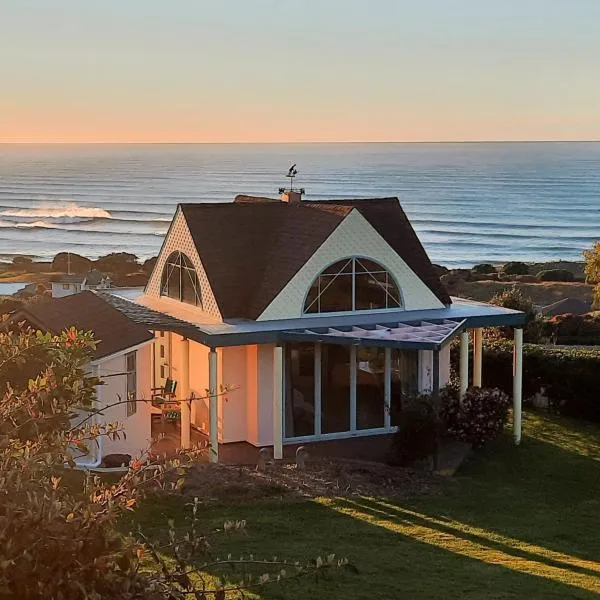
[292, 172]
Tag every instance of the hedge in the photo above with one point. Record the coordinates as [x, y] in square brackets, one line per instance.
[570, 376]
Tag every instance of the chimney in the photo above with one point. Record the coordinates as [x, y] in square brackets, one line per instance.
[291, 196]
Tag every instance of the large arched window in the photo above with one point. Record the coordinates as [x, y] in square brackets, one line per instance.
[180, 280]
[353, 284]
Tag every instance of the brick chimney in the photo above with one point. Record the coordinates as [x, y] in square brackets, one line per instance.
[291, 196]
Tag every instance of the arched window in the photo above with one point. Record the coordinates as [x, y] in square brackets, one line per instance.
[180, 280]
[353, 284]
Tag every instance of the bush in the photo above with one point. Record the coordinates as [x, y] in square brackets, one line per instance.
[483, 269]
[478, 418]
[416, 436]
[514, 268]
[555, 275]
[514, 299]
[569, 375]
[592, 271]
[574, 329]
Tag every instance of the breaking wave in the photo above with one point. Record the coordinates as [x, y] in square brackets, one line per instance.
[65, 211]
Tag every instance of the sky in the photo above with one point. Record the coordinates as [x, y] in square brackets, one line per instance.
[302, 70]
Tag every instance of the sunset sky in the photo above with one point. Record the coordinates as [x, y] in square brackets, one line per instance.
[302, 70]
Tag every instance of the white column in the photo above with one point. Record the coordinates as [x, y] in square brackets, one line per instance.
[464, 363]
[477, 356]
[213, 387]
[517, 384]
[184, 394]
[318, 349]
[278, 402]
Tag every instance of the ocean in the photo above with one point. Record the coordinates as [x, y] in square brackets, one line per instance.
[469, 202]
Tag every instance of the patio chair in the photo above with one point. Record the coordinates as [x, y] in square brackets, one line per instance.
[164, 403]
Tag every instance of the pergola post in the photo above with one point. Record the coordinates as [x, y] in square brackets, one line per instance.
[184, 395]
[517, 384]
[435, 396]
[278, 402]
[464, 363]
[213, 407]
[477, 356]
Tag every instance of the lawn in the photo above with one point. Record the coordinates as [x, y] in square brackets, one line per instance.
[513, 523]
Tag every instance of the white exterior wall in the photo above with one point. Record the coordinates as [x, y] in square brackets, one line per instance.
[444, 366]
[234, 403]
[355, 236]
[179, 239]
[138, 425]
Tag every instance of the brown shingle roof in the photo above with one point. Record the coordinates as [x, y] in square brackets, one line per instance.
[113, 331]
[251, 248]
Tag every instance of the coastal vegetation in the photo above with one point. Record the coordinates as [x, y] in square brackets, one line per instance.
[592, 271]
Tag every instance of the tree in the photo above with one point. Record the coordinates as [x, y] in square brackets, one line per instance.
[514, 299]
[592, 271]
[59, 541]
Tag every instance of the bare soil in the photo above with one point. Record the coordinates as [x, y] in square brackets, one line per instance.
[323, 477]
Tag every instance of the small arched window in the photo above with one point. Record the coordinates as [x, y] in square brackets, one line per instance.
[353, 284]
[180, 280]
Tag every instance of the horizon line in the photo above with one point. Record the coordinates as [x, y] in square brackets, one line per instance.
[270, 142]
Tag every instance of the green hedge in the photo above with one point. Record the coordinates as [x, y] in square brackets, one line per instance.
[570, 376]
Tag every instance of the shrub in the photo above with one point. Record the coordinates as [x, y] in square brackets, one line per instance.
[416, 436]
[478, 418]
[514, 299]
[592, 271]
[574, 329]
[555, 275]
[569, 375]
[483, 269]
[515, 268]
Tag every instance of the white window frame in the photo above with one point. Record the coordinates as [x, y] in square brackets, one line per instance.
[131, 376]
[353, 431]
[353, 274]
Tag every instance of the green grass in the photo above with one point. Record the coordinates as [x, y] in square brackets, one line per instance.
[514, 523]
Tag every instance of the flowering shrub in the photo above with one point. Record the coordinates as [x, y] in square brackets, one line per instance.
[478, 418]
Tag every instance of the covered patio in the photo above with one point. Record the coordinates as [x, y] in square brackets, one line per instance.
[426, 334]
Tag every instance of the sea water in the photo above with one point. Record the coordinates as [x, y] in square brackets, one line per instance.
[469, 202]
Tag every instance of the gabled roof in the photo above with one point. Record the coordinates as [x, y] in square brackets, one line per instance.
[113, 331]
[250, 249]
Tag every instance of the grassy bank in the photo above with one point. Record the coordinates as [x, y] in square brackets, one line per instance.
[514, 523]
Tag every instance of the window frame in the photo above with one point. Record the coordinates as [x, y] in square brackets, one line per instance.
[181, 262]
[131, 383]
[382, 269]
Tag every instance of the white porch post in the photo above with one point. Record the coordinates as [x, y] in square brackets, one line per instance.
[184, 395]
[517, 384]
[464, 363]
[278, 402]
[213, 407]
[477, 356]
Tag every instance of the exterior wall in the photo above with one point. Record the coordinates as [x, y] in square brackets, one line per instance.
[138, 425]
[426, 366]
[199, 385]
[355, 236]
[265, 394]
[58, 291]
[444, 366]
[179, 238]
[234, 403]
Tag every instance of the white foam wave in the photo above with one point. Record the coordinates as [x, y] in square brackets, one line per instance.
[70, 210]
[36, 224]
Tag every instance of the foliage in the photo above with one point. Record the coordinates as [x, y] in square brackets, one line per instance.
[574, 329]
[555, 275]
[22, 262]
[514, 268]
[69, 261]
[483, 269]
[416, 435]
[117, 262]
[592, 270]
[514, 299]
[58, 542]
[477, 418]
[568, 375]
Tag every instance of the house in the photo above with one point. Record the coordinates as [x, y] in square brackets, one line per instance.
[67, 284]
[321, 315]
[122, 360]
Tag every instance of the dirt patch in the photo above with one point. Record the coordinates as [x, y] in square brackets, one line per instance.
[222, 483]
[541, 294]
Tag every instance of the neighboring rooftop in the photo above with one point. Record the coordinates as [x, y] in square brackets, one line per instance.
[113, 330]
[251, 248]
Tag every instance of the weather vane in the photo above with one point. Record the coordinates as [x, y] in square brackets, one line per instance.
[292, 172]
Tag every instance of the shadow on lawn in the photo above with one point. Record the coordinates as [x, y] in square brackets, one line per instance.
[519, 523]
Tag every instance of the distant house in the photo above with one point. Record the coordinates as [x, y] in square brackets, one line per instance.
[323, 315]
[67, 284]
[122, 360]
